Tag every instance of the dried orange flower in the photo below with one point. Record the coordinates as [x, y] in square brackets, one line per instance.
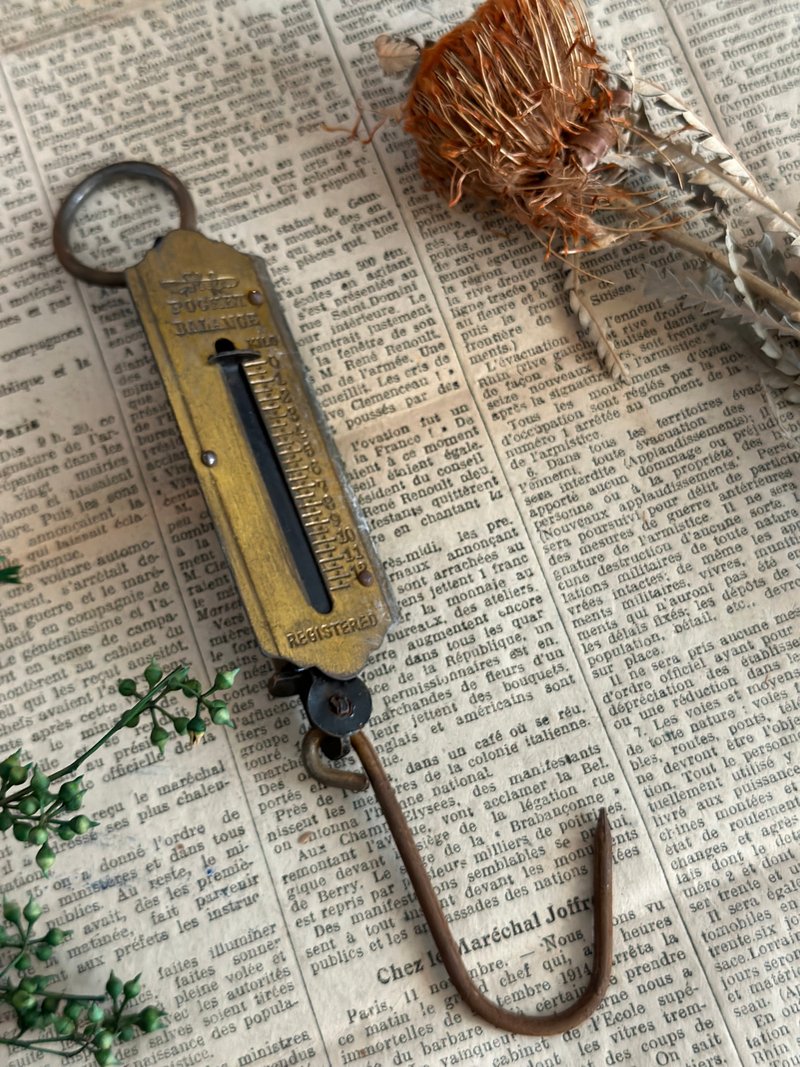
[513, 106]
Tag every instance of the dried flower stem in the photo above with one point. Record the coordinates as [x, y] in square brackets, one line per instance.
[746, 189]
[679, 238]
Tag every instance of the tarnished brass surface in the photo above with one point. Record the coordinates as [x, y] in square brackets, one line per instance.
[192, 293]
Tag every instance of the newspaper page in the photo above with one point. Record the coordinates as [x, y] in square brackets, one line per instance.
[596, 580]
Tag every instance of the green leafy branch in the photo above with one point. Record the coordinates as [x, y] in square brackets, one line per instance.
[76, 1024]
[35, 804]
[9, 573]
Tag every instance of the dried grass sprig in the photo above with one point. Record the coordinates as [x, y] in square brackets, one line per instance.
[516, 106]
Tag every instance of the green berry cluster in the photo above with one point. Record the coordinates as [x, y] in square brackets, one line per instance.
[65, 1024]
[36, 806]
[178, 681]
[33, 807]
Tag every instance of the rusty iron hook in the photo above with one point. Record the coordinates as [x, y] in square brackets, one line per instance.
[352, 781]
[514, 1022]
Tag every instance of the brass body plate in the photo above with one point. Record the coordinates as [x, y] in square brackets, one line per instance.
[200, 301]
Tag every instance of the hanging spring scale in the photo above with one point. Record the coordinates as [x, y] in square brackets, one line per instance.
[297, 544]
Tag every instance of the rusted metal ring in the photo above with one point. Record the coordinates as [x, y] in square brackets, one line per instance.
[129, 168]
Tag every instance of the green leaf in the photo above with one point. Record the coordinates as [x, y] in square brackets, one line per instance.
[9, 573]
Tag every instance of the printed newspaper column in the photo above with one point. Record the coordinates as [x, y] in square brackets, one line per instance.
[179, 859]
[605, 519]
[249, 152]
[183, 850]
[497, 803]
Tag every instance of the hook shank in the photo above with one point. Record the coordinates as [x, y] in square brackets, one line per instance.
[335, 776]
[534, 1026]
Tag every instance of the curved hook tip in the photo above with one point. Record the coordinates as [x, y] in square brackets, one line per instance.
[579, 1010]
[603, 913]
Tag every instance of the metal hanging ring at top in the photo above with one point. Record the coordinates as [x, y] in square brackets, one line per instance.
[129, 168]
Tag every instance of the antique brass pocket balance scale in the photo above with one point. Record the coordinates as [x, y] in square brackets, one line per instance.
[296, 542]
